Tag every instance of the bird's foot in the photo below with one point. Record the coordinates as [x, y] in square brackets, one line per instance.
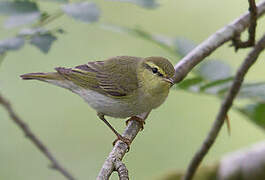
[139, 120]
[123, 139]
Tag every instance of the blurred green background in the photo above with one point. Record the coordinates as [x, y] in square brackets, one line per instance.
[72, 131]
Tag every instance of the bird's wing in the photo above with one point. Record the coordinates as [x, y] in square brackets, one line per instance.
[104, 76]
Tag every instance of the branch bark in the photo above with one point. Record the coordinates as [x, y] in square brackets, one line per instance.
[34, 139]
[115, 156]
[226, 105]
[122, 170]
[182, 69]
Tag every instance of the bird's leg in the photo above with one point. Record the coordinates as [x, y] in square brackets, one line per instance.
[119, 136]
[139, 120]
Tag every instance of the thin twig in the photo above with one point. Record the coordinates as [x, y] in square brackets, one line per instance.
[236, 41]
[226, 105]
[33, 138]
[185, 65]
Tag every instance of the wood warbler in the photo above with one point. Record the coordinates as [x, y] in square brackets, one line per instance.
[120, 87]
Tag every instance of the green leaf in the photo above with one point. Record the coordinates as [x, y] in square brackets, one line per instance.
[213, 70]
[212, 77]
[43, 41]
[200, 85]
[83, 11]
[215, 87]
[184, 46]
[11, 44]
[19, 20]
[18, 7]
[255, 112]
[39, 37]
[254, 91]
[143, 3]
[190, 84]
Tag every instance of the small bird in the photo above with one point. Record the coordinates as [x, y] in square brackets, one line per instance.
[120, 87]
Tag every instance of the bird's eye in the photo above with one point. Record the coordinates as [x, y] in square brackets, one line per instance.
[155, 70]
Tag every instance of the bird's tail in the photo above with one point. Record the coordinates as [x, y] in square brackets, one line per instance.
[63, 77]
[41, 76]
[51, 77]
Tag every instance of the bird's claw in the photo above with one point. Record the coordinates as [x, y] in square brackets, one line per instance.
[139, 120]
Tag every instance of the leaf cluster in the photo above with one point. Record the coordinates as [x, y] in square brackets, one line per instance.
[30, 20]
[214, 77]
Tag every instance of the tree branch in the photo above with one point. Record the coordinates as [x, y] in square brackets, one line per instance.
[119, 150]
[33, 138]
[236, 41]
[182, 69]
[185, 65]
[226, 105]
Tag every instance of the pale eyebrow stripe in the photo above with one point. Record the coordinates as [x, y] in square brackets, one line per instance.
[148, 66]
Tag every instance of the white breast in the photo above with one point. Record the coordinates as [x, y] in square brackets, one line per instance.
[106, 105]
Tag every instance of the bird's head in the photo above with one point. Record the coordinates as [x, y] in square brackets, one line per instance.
[156, 73]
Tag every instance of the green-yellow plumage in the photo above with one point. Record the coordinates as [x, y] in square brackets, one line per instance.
[121, 86]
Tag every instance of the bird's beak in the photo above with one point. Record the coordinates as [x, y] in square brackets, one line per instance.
[169, 80]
